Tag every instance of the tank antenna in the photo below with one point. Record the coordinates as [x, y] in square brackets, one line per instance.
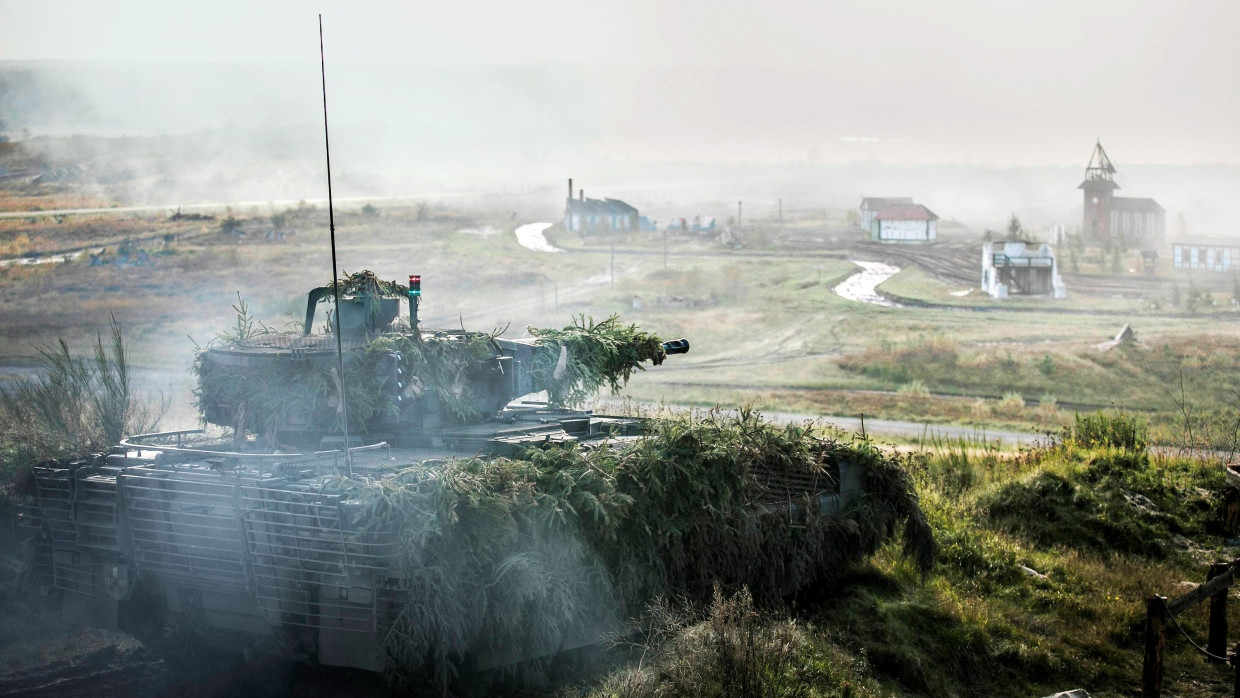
[331, 223]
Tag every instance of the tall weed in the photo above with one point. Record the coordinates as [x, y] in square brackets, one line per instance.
[1100, 429]
[73, 405]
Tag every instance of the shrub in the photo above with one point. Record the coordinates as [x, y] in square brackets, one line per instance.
[738, 652]
[1101, 429]
[74, 405]
[915, 387]
[511, 553]
[1046, 365]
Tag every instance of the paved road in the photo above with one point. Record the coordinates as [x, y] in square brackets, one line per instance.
[872, 426]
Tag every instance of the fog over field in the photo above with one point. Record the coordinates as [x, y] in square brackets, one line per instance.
[1038, 385]
[510, 95]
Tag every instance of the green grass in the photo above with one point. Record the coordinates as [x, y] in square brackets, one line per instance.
[1044, 563]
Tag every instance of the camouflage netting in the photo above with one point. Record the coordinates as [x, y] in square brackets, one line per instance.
[598, 354]
[510, 558]
[306, 392]
[572, 364]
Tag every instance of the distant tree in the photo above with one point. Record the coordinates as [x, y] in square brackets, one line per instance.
[230, 225]
[1014, 227]
[370, 211]
[1046, 365]
[279, 220]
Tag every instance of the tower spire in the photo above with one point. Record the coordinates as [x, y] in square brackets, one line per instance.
[1100, 166]
[1100, 173]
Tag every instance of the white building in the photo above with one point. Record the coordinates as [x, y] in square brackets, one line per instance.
[1210, 254]
[904, 223]
[873, 205]
[1021, 268]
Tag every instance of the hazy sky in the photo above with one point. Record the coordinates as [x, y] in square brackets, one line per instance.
[970, 81]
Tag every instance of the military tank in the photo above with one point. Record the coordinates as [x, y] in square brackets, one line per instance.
[239, 543]
[294, 536]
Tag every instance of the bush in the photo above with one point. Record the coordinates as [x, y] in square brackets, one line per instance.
[736, 651]
[1101, 429]
[73, 406]
[510, 553]
[1119, 503]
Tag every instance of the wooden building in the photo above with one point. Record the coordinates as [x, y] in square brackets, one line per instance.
[904, 223]
[871, 206]
[582, 214]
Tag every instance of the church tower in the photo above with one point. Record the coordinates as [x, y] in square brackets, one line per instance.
[1099, 185]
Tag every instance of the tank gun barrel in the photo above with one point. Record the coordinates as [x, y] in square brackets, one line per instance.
[676, 346]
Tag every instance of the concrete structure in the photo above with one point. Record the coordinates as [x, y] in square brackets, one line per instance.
[872, 205]
[904, 223]
[1057, 234]
[1140, 223]
[582, 214]
[1208, 254]
[1020, 268]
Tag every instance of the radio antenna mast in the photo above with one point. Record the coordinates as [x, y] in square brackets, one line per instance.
[331, 222]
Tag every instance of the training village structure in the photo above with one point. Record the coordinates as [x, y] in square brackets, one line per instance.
[1206, 253]
[1020, 267]
[898, 219]
[583, 215]
[1138, 222]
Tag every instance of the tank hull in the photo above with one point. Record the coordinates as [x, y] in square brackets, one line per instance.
[253, 553]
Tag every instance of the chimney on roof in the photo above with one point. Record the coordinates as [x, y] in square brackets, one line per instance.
[583, 194]
[570, 187]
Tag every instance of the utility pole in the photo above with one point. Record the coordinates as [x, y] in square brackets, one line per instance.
[781, 210]
[738, 214]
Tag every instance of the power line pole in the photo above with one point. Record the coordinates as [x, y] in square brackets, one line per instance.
[738, 214]
[781, 210]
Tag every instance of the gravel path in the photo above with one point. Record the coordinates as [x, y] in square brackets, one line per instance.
[862, 286]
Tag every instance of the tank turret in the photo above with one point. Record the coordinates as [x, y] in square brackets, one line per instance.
[400, 383]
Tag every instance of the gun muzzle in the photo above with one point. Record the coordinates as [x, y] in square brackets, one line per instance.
[676, 346]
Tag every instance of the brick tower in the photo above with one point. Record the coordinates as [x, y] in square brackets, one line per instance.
[1099, 186]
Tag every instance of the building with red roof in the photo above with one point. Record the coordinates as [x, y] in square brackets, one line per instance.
[904, 222]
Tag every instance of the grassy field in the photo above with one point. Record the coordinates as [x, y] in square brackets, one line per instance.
[1047, 555]
[1044, 566]
[764, 322]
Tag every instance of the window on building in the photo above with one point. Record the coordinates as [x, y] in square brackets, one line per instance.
[1149, 223]
[1127, 222]
[1192, 257]
[1209, 258]
[1114, 222]
[1177, 256]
